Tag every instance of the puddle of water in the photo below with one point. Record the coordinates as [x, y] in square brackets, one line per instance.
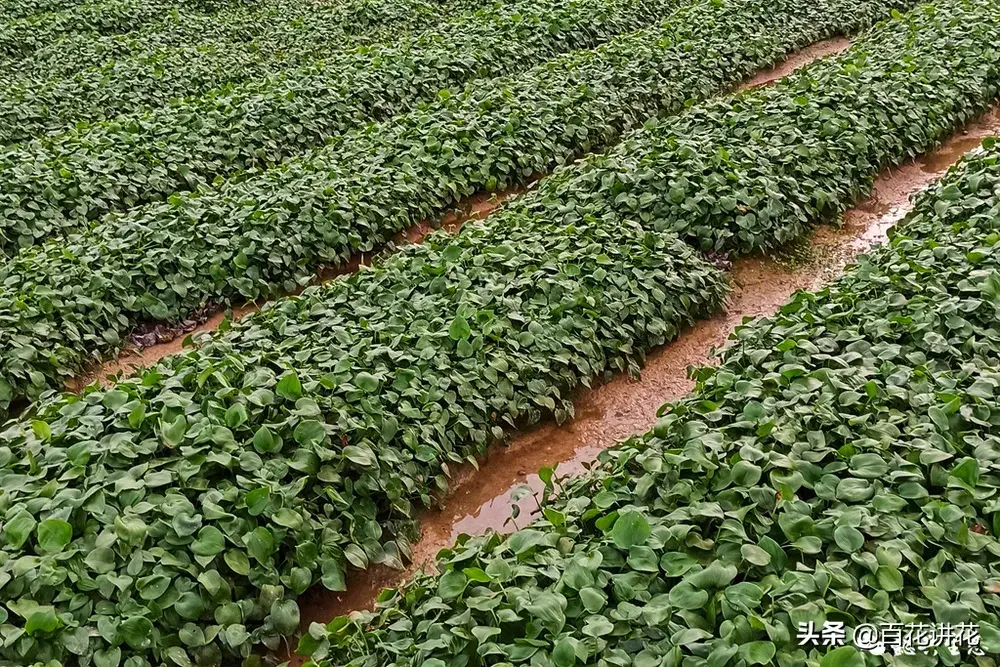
[481, 500]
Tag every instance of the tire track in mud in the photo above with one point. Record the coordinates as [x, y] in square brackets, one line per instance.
[482, 500]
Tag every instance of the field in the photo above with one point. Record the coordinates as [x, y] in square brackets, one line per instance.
[533, 332]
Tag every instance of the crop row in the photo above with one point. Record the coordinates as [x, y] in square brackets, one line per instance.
[176, 515]
[61, 182]
[195, 502]
[100, 17]
[734, 176]
[841, 464]
[73, 52]
[33, 106]
[258, 237]
[17, 9]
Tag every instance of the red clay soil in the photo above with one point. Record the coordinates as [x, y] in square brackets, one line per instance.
[827, 47]
[481, 500]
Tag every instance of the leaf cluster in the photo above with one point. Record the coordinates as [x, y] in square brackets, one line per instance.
[36, 105]
[61, 183]
[758, 170]
[174, 517]
[73, 52]
[21, 36]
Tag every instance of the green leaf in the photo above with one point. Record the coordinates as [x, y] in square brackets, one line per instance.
[524, 540]
[257, 501]
[210, 542]
[549, 609]
[137, 631]
[477, 574]
[54, 535]
[967, 470]
[845, 656]
[108, 658]
[452, 584]
[41, 429]
[173, 432]
[17, 530]
[630, 529]
[366, 382]
[236, 415]
[686, 596]
[42, 621]
[287, 518]
[289, 387]
[237, 561]
[849, 539]
[285, 617]
[361, 455]
[643, 559]
[989, 637]
[130, 529]
[745, 474]
[755, 555]
[309, 433]
[889, 579]
[260, 544]
[564, 653]
[598, 626]
[459, 329]
[593, 599]
[190, 606]
[265, 441]
[757, 653]
[101, 560]
[333, 575]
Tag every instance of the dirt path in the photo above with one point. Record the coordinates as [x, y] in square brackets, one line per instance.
[481, 500]
[170, 338]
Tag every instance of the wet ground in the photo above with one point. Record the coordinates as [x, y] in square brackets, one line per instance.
[481, 500]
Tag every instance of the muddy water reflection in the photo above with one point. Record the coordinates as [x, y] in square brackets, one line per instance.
[481, 500]
[624, 407]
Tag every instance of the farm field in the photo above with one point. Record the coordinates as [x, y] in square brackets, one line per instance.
[530, 332]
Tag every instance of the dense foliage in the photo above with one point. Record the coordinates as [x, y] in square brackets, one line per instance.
[94, 16]
[232, 24]
[35, 105]
[192, 504]
[78, 299]
[17, 9]
[841, 464]
[737, 175]
[174, 517]
[58, 183]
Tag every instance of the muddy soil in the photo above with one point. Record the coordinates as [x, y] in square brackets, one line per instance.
[482, 500]
[827, 47]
